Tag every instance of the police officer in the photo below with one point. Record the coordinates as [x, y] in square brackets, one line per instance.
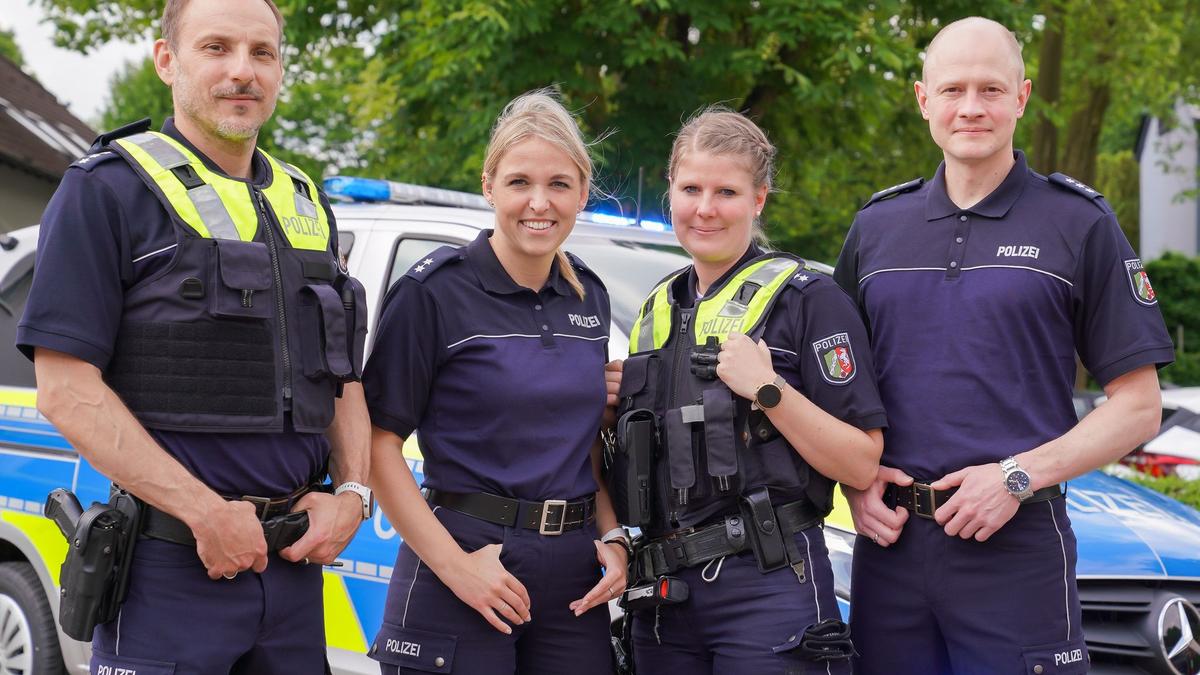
[191, 330]
[979, 287]
[494, 354]
[745, 439]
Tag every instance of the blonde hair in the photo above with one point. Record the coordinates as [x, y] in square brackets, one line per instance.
[717, 130]
[538, 114]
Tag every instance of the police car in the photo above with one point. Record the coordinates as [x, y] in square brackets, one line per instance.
[1139, 566]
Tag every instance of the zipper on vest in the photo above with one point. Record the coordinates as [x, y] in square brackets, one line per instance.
[279, 308]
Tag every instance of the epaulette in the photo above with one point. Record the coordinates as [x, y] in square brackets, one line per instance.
[89, 161]
[1067, 183]
[894, 190]
[426, 266]
[805, 276]
[579, 266]
[105, 139]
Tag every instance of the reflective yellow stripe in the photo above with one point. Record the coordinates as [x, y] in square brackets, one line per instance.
[44, 535]
[342, 629]
[651, 331]
[304, 222]
[719, 315]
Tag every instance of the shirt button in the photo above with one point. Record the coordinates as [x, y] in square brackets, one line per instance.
[545, 327]
[958, 240]
[963, 218]
[1038, 669]
[954, 264]
[537, 307]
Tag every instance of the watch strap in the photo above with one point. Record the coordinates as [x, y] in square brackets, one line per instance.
[363, 492]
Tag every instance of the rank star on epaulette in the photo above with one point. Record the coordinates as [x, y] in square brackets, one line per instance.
[1079, 185]
[801, 277]
[424, 263]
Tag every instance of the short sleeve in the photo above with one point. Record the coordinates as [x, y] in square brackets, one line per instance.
[837, 371]
[1118, 325]
[76, 300]
[400, 372]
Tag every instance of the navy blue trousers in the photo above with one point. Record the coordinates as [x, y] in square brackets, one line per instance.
[742, 621]
[934, 604]
[426, 628]
[177, 621]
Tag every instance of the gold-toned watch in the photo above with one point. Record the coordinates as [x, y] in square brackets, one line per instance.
[770, 394]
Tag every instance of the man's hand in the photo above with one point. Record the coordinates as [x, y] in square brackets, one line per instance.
[612, 387]
[872, 518]
[480, 580]
[332, 523]
[744, 365]
[981, 506]
[615, 560]
[230, 539]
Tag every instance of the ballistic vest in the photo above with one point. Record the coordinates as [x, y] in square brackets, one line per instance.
[253, 319]
[710, 446]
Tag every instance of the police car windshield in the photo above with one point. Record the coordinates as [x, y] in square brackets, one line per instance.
[629, 270]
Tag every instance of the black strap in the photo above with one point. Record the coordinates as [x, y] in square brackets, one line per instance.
[728, 536]
[923, 500]
[549, 517]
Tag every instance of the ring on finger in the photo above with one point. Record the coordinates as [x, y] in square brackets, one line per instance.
[612, 591]
[230, 576]
[875, 538]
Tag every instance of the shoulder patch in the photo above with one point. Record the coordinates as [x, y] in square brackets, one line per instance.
[106, 138]
[426, 266]
[1139, 283]
[888, 193]
[835, 357]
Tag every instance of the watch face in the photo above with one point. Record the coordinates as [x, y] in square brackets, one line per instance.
[769, 396]
[1017, 482]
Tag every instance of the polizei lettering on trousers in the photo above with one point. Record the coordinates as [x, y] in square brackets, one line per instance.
[304, 225]
[115, 670]
[1073, 656]
[402, 647]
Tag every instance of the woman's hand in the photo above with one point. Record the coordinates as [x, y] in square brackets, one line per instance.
[744, 365]
[480, 580]
[615, 560]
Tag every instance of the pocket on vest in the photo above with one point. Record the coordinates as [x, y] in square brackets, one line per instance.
[245, 275]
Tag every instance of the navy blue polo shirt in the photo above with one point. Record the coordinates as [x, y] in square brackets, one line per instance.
[104, 232]
[810, 322]
[504, 386]
[976, 314]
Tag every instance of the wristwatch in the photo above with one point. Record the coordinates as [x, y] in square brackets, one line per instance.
[363, 492]
[1016, 479]
[770, 394]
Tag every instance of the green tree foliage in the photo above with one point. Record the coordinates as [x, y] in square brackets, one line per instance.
[1186, 491]
[134, 93]
[409, 89]
[1176, 280]
[9, 48]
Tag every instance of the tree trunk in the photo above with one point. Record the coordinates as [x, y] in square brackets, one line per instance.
[1044, 153]
[1083, 134]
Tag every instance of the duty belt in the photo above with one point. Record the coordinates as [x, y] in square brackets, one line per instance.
[729, 536]
[551, 517]
[158, 524]
[923, 500]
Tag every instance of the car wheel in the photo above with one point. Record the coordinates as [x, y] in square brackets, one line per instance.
[28, 636]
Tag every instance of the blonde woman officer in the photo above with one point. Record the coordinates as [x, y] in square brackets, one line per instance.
[494, 353]
[751, 379]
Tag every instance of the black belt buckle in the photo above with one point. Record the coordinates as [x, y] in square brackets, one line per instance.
[924, 500]
[546, 526]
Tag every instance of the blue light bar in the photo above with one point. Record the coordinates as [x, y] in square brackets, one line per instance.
[362, 189]
[624, 221]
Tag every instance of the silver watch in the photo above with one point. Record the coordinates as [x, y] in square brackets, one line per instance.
[363, 492]
[1016, 479]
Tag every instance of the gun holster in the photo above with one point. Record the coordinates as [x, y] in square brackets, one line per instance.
[95, 574]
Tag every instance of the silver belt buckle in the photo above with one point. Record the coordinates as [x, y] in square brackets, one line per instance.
[562, 519]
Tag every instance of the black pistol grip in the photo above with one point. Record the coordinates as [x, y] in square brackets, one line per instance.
[64, 509]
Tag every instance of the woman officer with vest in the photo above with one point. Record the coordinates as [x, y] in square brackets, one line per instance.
[495, 354]
[746, 438]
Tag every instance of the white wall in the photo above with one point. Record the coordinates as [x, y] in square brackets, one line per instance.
[23, 197]
[1168, 168]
